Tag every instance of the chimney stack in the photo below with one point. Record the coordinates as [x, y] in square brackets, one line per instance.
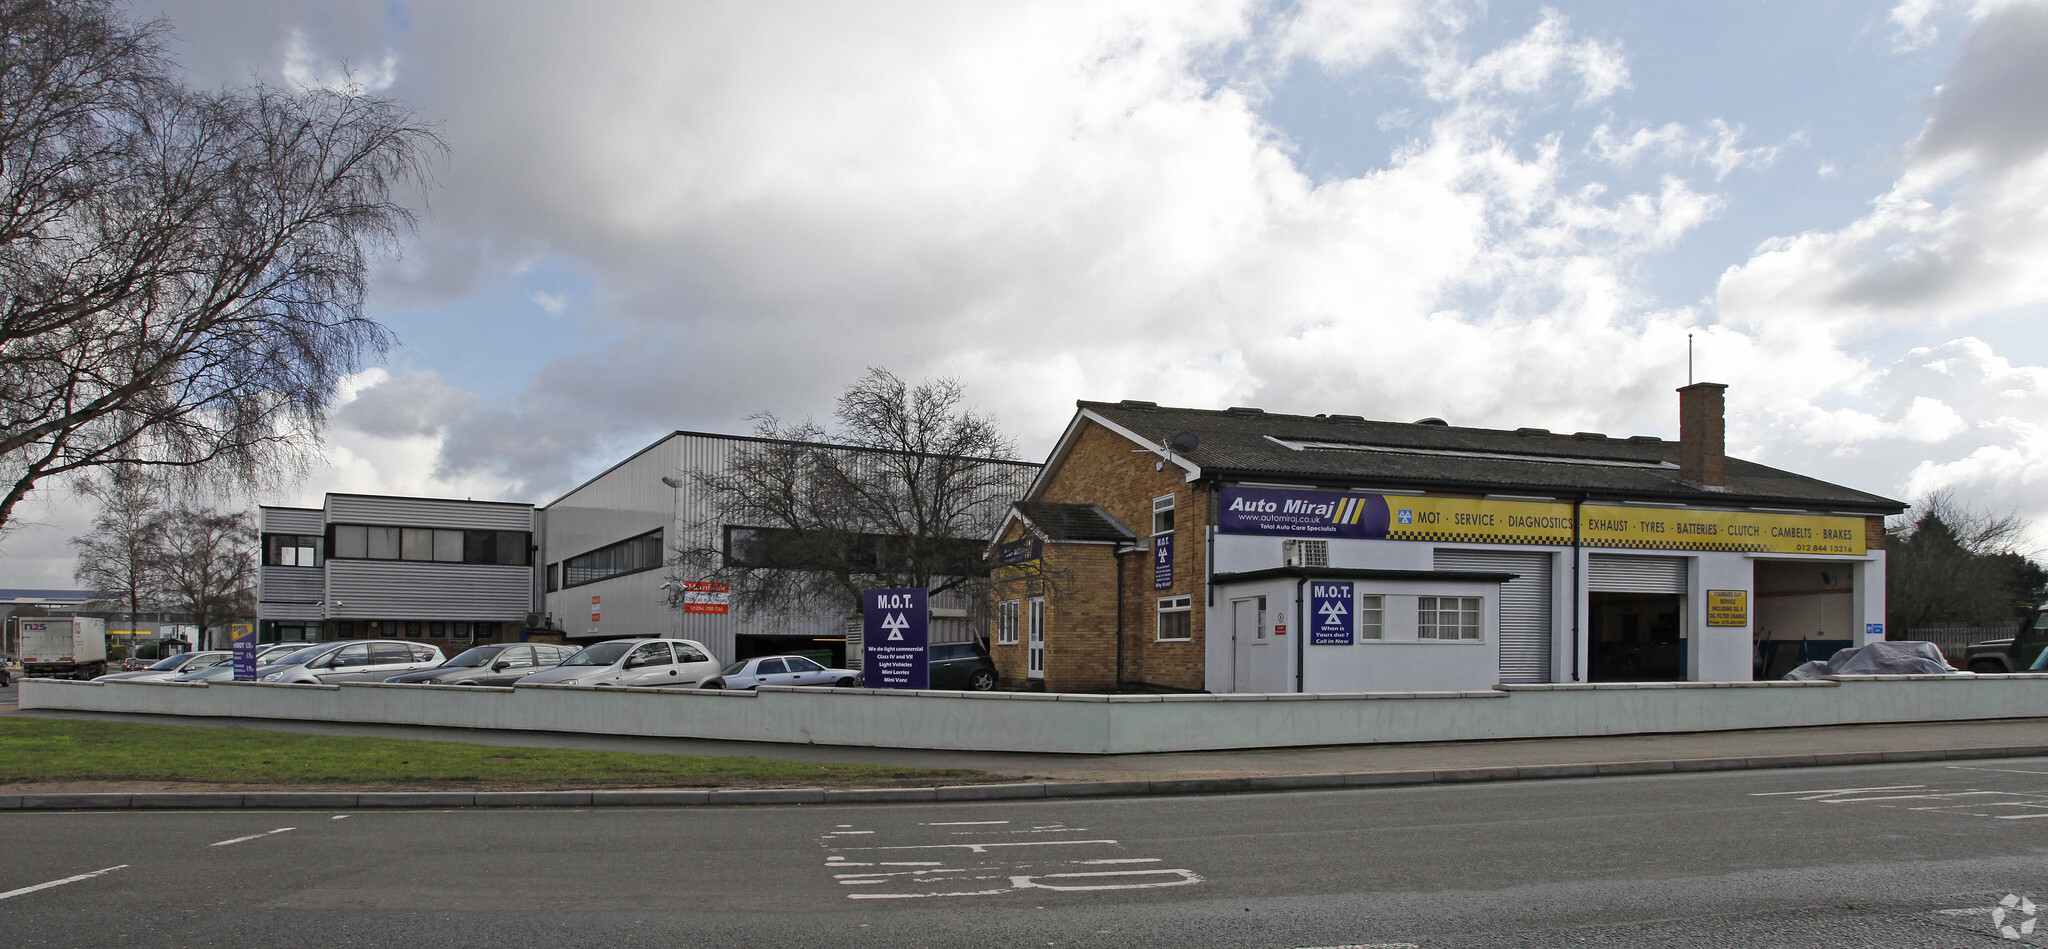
[1702, 434]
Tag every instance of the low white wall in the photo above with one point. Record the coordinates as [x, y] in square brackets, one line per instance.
[1088, 724]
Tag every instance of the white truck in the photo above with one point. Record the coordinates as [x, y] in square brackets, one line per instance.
[66, 647]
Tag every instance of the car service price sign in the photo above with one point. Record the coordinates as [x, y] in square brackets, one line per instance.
[1330, 614]
[242, 646]
[895, 628]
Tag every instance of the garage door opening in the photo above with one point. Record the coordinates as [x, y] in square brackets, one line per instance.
[1636, 637]
[1804, 611]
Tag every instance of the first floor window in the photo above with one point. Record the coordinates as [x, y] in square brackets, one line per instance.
[1447, 617]
[1006, 623]
[1176, 618]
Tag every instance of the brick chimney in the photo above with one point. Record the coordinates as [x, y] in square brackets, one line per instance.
[1702, 434]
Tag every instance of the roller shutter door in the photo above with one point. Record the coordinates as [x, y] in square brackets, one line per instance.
[1525, 631]
[1618, 573]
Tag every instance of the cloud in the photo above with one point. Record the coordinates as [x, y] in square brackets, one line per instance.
[307, 68]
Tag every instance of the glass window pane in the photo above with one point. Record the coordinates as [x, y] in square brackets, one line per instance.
[383, 543]
[448, 546]
[769, 667]
[416, 543]
[512, 548]
[351, 541]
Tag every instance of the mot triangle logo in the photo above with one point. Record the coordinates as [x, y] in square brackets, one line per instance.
[1333, 613]
[895, 623]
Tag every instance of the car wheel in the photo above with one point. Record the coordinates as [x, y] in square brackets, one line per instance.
[711, 684]
[844, 683]
[1987, 667]
[983, 680]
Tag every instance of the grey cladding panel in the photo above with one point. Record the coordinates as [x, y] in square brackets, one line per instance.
[428, 512]
[377, 589]
[1621, 573]
[291, 583]
[292, 520]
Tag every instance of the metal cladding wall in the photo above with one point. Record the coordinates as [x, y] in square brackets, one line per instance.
[1525, 612]
[292, 520]
[290, 593]
[428, 512]
[393, 589]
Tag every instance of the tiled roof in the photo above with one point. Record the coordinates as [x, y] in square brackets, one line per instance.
[1248, 444]
[1073, 522]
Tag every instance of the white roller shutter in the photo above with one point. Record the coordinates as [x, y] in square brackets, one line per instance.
[1524, 608]
[1621, 573]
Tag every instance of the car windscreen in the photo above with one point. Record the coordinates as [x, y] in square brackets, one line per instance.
[300, 657]
[167, 664]
[472, 658]
[602, 654]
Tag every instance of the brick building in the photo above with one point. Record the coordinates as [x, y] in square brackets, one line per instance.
[1244, 551]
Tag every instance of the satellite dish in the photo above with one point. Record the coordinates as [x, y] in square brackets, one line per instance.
[1184, 442]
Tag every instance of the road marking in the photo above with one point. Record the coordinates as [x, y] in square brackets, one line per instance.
[963, 823]
[2013, 816]
[1957, 767]
[1181, 878]
[1371, 945]
[339, 817]
[921, 896]
[1826, 791]
[984, 848]
[10, 894]
[237, 840]
[987, 864]
[1124, 860]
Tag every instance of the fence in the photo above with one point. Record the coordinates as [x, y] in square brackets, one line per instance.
[1954, 639]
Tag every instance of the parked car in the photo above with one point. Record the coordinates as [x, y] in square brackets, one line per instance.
[2017, 654]
[957, 667]
[493, 664]
[778, 670]
[637, 662]
[363, 660]
[225, 670]
[173, 666]
[271, 652]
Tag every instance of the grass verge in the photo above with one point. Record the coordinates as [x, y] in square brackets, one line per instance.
[34, 751]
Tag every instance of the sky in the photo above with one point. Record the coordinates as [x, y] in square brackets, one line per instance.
[661, 216]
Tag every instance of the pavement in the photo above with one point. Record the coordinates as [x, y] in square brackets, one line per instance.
[1021, 776]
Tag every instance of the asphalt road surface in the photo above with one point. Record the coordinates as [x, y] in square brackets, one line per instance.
[1892, 856]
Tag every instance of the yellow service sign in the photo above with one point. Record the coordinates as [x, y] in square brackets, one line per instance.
[1478, 520]
[1654, 528]
[1727, 607]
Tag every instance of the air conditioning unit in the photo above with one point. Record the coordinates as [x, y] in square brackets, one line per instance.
[1306, 553]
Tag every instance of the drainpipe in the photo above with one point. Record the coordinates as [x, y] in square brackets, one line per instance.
[1117, 558]
[1578, 504]
[1300, 630]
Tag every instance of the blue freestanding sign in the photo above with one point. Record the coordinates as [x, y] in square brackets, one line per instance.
[242, 647]
[895, 629]
[1330, 612]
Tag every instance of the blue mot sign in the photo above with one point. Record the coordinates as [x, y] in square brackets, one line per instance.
[895, 628]
[1330, 617]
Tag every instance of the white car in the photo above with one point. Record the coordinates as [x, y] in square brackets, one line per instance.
[372, 660]
[171, 667]
[778, 670]
[648, 663]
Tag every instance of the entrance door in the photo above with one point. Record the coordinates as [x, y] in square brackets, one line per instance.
[1034, 662]
[1257, 664]
[1636, 630]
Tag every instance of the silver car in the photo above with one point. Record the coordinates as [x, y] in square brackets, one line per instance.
[648, 663]
[778, 670]
[171, 667]
[366, 660]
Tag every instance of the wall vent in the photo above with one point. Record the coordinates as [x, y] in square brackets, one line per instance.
[1306, 553]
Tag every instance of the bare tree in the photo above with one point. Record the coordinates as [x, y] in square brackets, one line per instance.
[1950, 565]
[182, 272]
[118, 559]
[206, 563]
[904, 492]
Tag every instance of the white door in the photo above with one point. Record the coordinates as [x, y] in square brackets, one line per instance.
[650, 664]
[1248, 643]
[1035, 651]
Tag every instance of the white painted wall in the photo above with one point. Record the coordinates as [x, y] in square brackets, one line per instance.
[1401, 661]
[1720, 653]
[1089, 724]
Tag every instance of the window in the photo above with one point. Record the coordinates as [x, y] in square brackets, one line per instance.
[800, 664]
[291, 550]
[356, 655]
[1447, 617]
[344, 629]
[429, 545]
[1306, 553]
[437, 630]
[769, 667]
[612, 560]
[1034, 652]
[554, 577]
[686, 653]
[1372, 617]
[1162, 515]
[413, 628]
[460, 631]
[1176, 619]
[1006, 623]
[650, 654]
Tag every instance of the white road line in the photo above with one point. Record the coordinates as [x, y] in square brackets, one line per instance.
[1372, 945]
[1122, 860]
[1911, 797]
[237, 840]
[10, 894]
[920, 896]
[2013, 816]
[984, 848]
[1957, 767]
[1894, 787]
[963, 823]
[1031, 882]
[339, 817]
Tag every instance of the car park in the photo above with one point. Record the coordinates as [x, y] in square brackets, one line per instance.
[2021, 652]
[372, 660]
[778, 670]
[492, 664]
[172, 667]
[956, 667]
[646, 663]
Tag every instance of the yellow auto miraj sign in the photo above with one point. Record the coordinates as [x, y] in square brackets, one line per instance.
[1549, 523]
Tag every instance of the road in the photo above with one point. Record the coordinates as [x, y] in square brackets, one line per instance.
[1893, 856]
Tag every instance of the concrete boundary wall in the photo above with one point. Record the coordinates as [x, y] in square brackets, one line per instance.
[1088, 724]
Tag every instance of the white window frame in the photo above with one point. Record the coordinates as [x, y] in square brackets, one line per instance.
[1371, 613]
[1034, 653]
[1162, 505]
[1183, 605]
[1430, 612]
[1006, 623]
